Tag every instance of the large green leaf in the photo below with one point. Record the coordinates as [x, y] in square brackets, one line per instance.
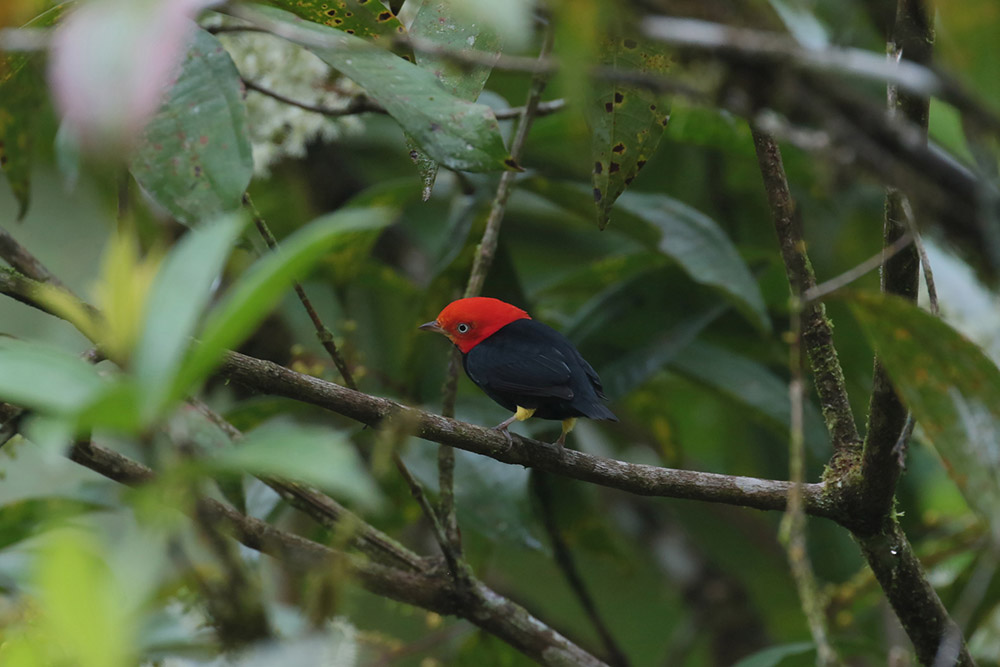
[639, 365]
[966, 41]
[258, 291]
[626, 121]
[457, 133]
[194, 157]
[369, 19]
[951, 386]
[46, 378]
[437, 23]
[687, 236]
[702, 249]
[750, 383]
[311, 455]
[177, 299]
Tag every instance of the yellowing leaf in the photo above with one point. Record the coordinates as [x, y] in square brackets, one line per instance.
[81, 613]
[121, 292]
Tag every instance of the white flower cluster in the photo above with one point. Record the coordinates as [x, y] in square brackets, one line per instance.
[279, 130]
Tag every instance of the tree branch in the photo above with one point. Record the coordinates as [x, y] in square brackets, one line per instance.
[477, 276]
[645, 480]
[15, 254]
[429, 589]
[817, 334]
[887, 416]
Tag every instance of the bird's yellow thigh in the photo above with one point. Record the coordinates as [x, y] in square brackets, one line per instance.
[568, 424]
[523, 413]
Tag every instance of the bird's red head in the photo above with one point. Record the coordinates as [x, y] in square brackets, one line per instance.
[467, 322]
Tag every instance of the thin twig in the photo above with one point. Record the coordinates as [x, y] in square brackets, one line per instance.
[793, 525]
[925, 262]
[363, 104]
[827, 287]
[324, 335]
[541, 485]
[326, 338]
[477, 276]
[325, 510]
[357, 105]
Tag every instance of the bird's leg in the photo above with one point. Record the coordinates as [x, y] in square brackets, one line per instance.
[567, 426]
[521, 415]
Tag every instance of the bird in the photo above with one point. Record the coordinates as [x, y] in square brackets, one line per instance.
[527, 367]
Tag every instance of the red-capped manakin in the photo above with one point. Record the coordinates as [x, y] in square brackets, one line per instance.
[524, 365]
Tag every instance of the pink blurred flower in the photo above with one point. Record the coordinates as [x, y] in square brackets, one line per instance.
[111, 63]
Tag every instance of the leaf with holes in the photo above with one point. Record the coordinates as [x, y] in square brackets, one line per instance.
[951, 386]
[626, 122]
[436, 23]
[457, 133]
[369, 19]
[22, 92]
[194, 157]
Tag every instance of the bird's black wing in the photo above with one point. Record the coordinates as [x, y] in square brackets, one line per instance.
[522, 362]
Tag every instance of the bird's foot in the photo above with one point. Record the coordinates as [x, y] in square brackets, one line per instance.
[502, 428]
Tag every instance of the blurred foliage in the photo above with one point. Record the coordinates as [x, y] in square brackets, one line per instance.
[680, 302]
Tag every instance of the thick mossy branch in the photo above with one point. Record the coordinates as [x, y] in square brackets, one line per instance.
[925, 619]
[817, 332]
[913, 34]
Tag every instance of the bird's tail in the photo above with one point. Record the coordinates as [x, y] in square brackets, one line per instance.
[600, 411]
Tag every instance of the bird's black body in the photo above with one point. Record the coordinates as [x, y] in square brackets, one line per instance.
[530, 365]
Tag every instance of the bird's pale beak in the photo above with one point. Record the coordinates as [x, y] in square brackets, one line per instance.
[432, 326]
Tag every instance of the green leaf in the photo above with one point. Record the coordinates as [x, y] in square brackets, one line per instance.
[438, 22]
[626, 122]
[951, 386]
[83, 604]
[435, 22]
[639, 365]
[687, 236]
[774, 655]
[702, 249]
[178, 297]
[368, 19]
[258, 291]
[22, 93]
[45, 378]
[966, 41]
[194, 157]
[457, 133]
[311, 455]
[28, 517]
[750, 383]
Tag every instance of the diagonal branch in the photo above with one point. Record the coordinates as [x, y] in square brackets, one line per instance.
[817, 334]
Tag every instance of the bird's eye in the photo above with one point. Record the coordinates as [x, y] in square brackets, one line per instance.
[463, 328]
